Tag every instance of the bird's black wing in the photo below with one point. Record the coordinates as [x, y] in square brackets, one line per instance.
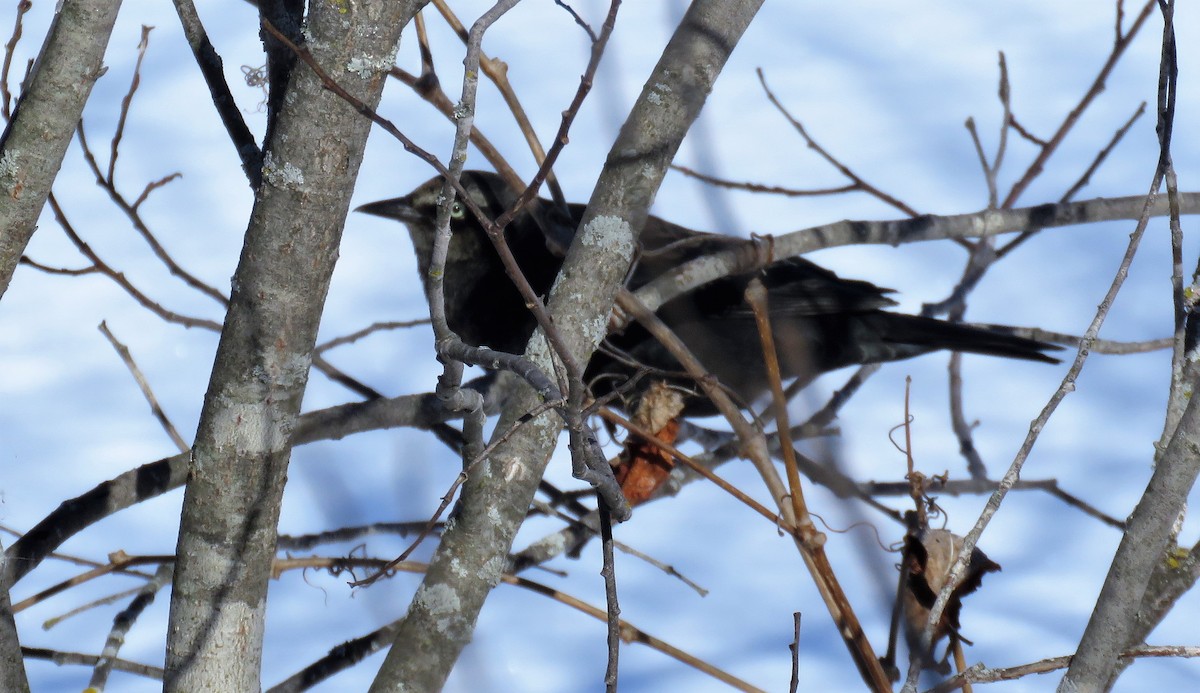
[797, 287]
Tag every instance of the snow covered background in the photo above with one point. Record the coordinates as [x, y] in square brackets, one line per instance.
[885, 86]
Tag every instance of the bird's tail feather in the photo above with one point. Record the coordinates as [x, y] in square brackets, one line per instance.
[927, 334]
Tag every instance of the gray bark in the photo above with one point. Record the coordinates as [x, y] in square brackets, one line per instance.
[494, 500]
[239, 462]
[12, 664]
[35, 141]
[31, 153]
[1114, 622]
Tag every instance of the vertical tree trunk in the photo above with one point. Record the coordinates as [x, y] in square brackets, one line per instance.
[239, 462]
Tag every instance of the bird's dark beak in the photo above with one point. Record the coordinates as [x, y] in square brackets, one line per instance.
[398, 208]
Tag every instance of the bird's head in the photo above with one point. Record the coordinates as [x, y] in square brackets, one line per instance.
[475, 280]
[418, 209]
[540, 222]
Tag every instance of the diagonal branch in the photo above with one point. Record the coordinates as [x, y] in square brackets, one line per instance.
[36, 139]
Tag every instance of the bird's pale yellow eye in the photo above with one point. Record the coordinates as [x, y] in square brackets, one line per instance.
[458, 210]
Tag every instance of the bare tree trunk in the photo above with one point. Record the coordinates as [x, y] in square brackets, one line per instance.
[1114, 622]
[239, 462]
[472, 554]
[36, 139]
[12, 664]
[31, 153]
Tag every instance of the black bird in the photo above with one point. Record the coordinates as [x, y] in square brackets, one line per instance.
[821, 322]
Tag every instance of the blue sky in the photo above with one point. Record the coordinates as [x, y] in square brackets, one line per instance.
[884, 86]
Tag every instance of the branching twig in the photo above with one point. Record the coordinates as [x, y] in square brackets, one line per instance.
[124, 621]
[1084, 179]
[984, 674]
[858, 182]
[754, 446]
[961, 487]
[497, 72]
[212, 69]
[761, 188]
[59, 657]
[10, 48]
[1119, 45]
[354, 651]
[115, 147]
[106, 182]
[121, 280]
[1068, 385]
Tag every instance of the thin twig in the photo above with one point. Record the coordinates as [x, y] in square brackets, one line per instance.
[123, 621]
[578, 20]
[144, 385]
[585, 522]
[984, 674]
[95, 604]
[65, 271]
[428, 529]
[794, 646]
[10, 49]
[858, 181]
[368, 330]
[754, 447]
[1083, 180]
[346, 655]
[1098, 346]
[762, 188]
[1119, 45]
[497, 72]
[812, 541]
[612, 609]
[120, 278]
[428, 87]
[134, 216]
[59, 657]
[118, 563]
[1068, 385]
[756, 296]
[962, 487]
[123, 115]
[306, 542]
